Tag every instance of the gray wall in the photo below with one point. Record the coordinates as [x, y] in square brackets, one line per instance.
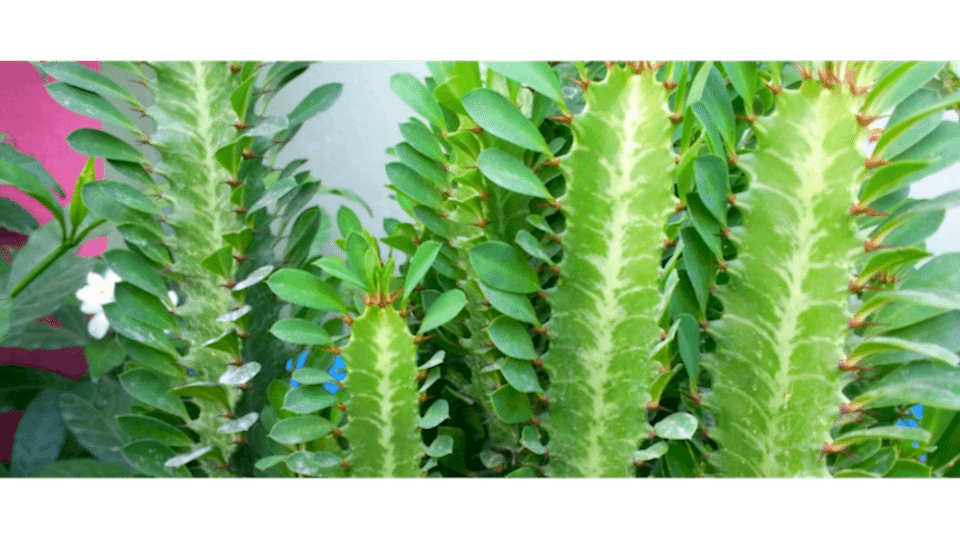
[346, 144]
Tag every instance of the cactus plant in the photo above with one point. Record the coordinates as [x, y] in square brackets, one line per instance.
[586, 237]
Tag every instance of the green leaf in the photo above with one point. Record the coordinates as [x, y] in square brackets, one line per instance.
[511, 174]
[30, 165]
[919, 100]
[39, 435]
[308, 399]
[138, 331]
[520, 375]
[300, 429]
[180, 460]
[269, 462]
[419, 265]
[513, 305]
[884, 432]
[310, 376]
[710, 176]
[677, 426]
[743, 77]
[504, 268]
[219, 262]
[83, 468]
[710, 102]
[120, 203]
[89, 104]
[908, 468]
[654, 451]
[300, 332]
[421, 164]
[255, 277]
[227, 342]
[136, 270]
[336, 268]
[441, 446]
[13, 175]
[510, 405]
[81, 76]
[898, 84]
[885, 178]
[15, 218]
[412, 92]
[924, 382]
[434, 360]
[146, 428]
[78, 210]
[893, 133]
[90, 414]
[495, 114]
[347, 221]
[237, 375]
[96, 143]
[317, 101]
[422, 140]
[881, 344]
[205, 390]
[688, 341]
[537, 75]
[305, 289]
[143, 306]
[151, 358]
[149, 457]
[154, 390]
[102, 356]
[700, 265]
[511, 338]
[443, 310]
[436, 413]
[530, 439]
[412, 184]
[239, 425]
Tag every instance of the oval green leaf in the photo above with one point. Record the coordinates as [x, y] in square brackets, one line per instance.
[520, 375]
[147, 428]
[96, 143]
[237, 375]
[317, 101]
[537, 75]
[412, 184]
[510, 405]
[511, 338]
[204, 390]
[418, 97]
[443, 310]
[437, 413]
[148, 458]
[511, 174]
[89, 104]
[305, 289]
[677, 426]
[136, 270]
[308, 399]
[300, 332]
[504, 267]
[300, 429]
[495, 114]
[516, 306]
[420, 263]
[150, 388]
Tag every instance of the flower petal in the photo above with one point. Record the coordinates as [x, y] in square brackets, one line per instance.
[91, 308]
[98, 325]
[112, 276]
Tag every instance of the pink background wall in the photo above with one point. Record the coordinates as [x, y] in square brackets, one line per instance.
[37, 125]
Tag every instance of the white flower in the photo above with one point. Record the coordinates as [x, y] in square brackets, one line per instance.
[97, 293]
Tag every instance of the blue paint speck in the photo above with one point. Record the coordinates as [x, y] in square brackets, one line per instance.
[301, 361]
[339, 372]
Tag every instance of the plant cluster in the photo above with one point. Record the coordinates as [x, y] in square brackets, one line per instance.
[612, 269]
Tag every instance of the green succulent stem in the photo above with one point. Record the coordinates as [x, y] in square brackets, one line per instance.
[603, 327]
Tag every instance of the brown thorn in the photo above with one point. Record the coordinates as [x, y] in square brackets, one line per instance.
[240, 257]
[872, 245]
[679, 207]
[564, 118]
[240, 210]
[331, 350]
[873, 162]
[341, 406]
[476, 129]
[241, 125]
[676, 119]
[480, 223]
[229, 284]
[651, 406]
[248, 154]
[873, 135]
[733, 159]
[748, 119]
[805, 74]
[582, 84]
[235, 68]
[776, 89]
[857, 209]
[668, 242]
[234, 182]
[865, 120]
[853, 323]
[347, 319]
[420, 339]
[669, 85]
[243, 335]
[484, 195]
